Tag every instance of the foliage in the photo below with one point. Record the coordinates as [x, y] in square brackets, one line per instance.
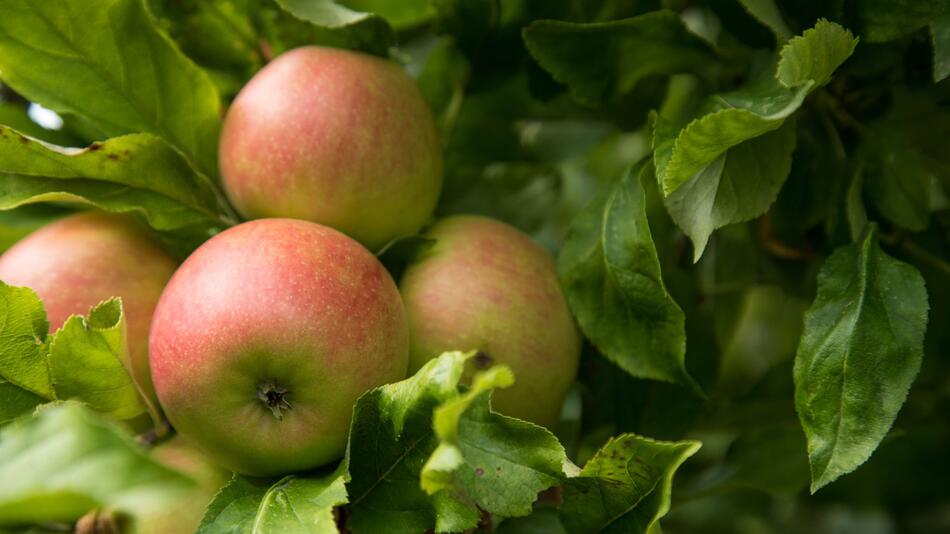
[748, 201]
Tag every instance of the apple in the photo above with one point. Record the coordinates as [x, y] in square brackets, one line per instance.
[487, 286]
[184, 516]
[265, 338]
[335, 137]
[81, 260]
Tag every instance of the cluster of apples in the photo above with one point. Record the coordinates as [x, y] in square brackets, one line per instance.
[259, 344]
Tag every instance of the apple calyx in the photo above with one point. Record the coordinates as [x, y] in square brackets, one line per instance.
[275, 398]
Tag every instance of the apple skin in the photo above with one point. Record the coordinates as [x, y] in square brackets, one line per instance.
[486, 286]
[336, 137]
[268, 312]
[185, 515]
[81, 260]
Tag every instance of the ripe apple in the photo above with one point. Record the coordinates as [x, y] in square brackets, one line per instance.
[335, 137]
[266, 336]
[81, 260]
[486, 286]
[184, 516]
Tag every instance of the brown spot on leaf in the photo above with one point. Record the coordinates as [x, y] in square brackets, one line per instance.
[479, 471]
[112, 156]
[94, 147]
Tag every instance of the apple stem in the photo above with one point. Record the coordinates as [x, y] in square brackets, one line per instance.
[275, 398]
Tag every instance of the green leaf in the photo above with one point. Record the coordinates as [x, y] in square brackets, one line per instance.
[897, 179]
[739, 185]
[86, 362]
[487, 461]
[625, 487]
[813, 56]
[542, 521]
[771, 458]
[940, 33]
[293, 504]
[600, 60]
[763, 105]
[860, 350]
[137, 172]
[766, 12]
[16, 401]
[66, 460]
[391, 438]
[235, 507]
[112, 66]
[23, 330]
[366, 31]
[611, 275]
[886, 20]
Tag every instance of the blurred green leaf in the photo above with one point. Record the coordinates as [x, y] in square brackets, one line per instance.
[771, 458]
[292, 504]
[542, 521]
[860, 350]
[611, 275]
[87, 359]
[600, 60]
[625, 487]
[885, 20]
[940, 33]
[23, 330]
[486, 461]
[66, 460]
[110, 65]
[768, 13]
[367, 31]
[897, 179]
[137, 172]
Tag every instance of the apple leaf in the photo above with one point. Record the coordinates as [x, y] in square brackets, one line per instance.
[861, 348]
[739, 185]
[487, 461]
[86, 358]
[625, 487]
[365, 31]
[886, 20]
[600, 60]
[393, 425]
[66, 460]
[611, 275]
[751, 462]
[23, 348]
[728, 119]
[110, 65]
[136, 172]
[766, 12]
[940, 33]
[897, 179]
[16, 401]
[292, 504]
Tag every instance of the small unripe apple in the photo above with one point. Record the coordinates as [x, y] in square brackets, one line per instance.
[486, 286]
[266, 336]
[79, 261]
[184, 515]
[336, 137]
